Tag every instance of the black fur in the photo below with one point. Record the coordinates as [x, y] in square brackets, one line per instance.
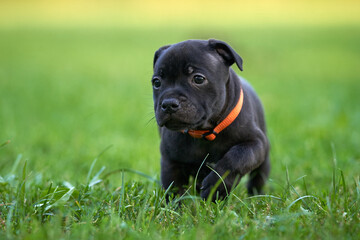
[181, 103]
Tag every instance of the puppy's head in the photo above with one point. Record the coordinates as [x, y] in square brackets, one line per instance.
[189, 83]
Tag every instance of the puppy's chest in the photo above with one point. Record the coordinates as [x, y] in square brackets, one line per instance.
[196, 152]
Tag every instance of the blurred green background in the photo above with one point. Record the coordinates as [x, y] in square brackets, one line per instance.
[75, 78]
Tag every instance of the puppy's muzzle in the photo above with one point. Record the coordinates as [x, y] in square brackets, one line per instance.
[170, 105]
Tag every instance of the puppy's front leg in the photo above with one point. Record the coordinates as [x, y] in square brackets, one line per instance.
[174, 173]
[238, 161]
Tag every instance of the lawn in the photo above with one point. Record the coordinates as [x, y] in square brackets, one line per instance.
[79, 147]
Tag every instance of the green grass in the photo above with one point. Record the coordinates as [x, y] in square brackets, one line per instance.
[68, 95]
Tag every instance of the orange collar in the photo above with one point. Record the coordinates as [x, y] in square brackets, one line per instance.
[211, 134]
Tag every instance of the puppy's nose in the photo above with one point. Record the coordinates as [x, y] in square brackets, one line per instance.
[170, 105]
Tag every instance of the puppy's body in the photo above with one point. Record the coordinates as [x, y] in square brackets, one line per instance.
[195, 89]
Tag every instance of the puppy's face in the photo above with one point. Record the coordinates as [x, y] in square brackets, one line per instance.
[189, 83]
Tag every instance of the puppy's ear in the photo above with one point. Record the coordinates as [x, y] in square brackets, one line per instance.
[226, 52]
[158, 53]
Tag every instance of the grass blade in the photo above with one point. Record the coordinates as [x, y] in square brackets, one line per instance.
[197, 173]
[334, 170]
[21, 198]
[253, 213]
[214, 188]
[9, 220]
[132, 171]
[95, 180]
[122, 193]
[298, 199]
[93, 163]
[5, 143]
[61, 201]
[16, 163]
[345, 190]
[265, 196]
[165, 194]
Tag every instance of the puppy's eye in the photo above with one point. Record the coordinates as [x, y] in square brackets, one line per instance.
[156, 83]
[198, 79]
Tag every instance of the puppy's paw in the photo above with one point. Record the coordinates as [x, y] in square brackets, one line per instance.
[209, 183]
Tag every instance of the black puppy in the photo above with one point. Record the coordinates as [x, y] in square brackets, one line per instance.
[204, 109]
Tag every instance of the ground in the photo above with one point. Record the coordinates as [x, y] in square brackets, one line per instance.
[72, 94]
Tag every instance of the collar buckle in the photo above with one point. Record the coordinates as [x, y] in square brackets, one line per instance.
[211, 134]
